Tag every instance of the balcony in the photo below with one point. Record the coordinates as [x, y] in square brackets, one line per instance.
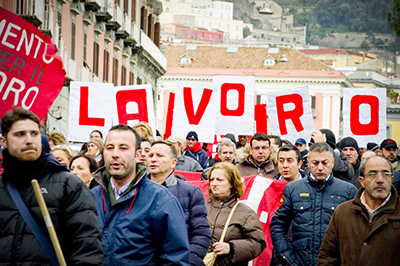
[152, 51]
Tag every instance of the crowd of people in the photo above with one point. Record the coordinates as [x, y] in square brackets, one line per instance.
[123, 200]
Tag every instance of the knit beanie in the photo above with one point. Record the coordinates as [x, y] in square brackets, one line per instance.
[348, 142]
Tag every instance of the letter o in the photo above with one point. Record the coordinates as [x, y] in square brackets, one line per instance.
[23, 102]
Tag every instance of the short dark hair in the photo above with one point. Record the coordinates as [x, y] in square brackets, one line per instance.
[278, 139]
[291, 147]
[121, 127]
[321, 147]
[364, 162]
[259, 137]
[92, 162]
[15, 115]
[144, 139]
[98, 131]
[174, 153]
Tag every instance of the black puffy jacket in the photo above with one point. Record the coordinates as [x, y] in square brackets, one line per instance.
[71, 206]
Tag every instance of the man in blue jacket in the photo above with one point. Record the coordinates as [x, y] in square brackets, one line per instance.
[308, 205]
[161, 162]
[142, 222]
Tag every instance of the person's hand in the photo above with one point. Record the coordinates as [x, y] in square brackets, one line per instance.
[221, 248]
[317, 136]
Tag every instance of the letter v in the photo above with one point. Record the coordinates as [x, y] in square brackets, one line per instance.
[194, 118]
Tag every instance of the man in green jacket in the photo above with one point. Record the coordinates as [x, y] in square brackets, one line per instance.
[366, 230]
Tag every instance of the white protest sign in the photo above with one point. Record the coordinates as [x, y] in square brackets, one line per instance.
[290, 114]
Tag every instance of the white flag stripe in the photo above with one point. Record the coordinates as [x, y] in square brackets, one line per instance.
[257, 190]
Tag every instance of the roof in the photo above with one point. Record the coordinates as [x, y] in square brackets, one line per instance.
[333, 52]
[247, 58]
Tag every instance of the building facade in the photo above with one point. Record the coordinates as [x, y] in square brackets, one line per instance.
[274, 68]
[114, 41]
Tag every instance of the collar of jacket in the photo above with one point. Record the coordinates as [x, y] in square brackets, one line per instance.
[267, 165]
[170, 181]
[389, 207]
[321, 184]
[230, 200]
[103, 177]
[21, 173]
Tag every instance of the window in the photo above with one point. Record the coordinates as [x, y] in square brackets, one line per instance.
[84, 46]
[237, 27]
[126, 6]
[186, 60]
[139, 81]
[193, 35]
[131, 78]
[115, 71]
[59, 20]
[96, 58]
[219, 38]
[178, 33]
[211, 38]
[202, 36]
[133, 11]
[73, 36]
[106, 65]
[123, 76]
[167, 10]
[269, 62]
[46, 19]
[184, 34]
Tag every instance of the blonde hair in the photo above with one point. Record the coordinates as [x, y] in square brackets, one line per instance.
[233, 176]
[56, 137]
[66, 149]
[144, 130]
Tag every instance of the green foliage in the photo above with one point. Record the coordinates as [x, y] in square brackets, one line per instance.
[394, 17]
[246, 32]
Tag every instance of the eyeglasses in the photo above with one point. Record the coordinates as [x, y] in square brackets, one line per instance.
[373, 175]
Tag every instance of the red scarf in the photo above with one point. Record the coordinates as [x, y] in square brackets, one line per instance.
[196, 147]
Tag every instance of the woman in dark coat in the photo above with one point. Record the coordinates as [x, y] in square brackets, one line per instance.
[244, 238]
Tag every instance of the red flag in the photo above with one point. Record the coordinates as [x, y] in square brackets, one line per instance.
[263, 195]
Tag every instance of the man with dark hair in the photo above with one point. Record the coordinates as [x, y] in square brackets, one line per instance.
[71, 206]
[365, 231]
[389, 151]
[145, 145]
[96, 134]
[258, 162]
[342, 168]
[289, 164]
[161, 163]
[142, 222]
[195, 150]
[308, 205]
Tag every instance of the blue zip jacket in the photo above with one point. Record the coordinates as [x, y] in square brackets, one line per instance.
[308, 207]
[146, 226]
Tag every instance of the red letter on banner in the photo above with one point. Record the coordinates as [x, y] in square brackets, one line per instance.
[372, 128]
[194, 119]
[126, 96]
[293, 115]
[239, 111]
[84, 118]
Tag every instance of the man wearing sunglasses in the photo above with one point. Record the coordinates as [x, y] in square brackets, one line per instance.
[365, 231]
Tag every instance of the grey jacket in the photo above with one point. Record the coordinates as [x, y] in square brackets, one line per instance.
[185, 163]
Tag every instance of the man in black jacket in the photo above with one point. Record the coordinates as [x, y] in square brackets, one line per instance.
[71, 206]
[349, 146]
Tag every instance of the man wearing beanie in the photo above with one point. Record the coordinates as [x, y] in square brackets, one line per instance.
[195, 150]
[342, 169]
[349, 147]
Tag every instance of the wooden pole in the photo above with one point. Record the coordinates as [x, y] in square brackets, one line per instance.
[49, 223]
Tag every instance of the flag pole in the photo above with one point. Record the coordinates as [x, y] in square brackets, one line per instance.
[49, 223]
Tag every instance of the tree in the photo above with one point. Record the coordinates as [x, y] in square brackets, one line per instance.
[246, 32]
[394, 17]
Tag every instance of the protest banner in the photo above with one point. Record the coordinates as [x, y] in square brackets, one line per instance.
[195, 109]
[364, 114]
[90, 107]
[134, 104]
[235, 101]
[31, 72]
[290, 113]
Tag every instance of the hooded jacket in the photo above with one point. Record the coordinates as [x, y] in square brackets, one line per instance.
[244, 235]
[71, 206]
[145, 226]
[308, 207]
[250, 167]
[351, 239]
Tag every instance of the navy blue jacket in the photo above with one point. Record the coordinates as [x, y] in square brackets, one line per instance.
[146, 226]
[192, 201]
[200, 156]
[308, 207]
